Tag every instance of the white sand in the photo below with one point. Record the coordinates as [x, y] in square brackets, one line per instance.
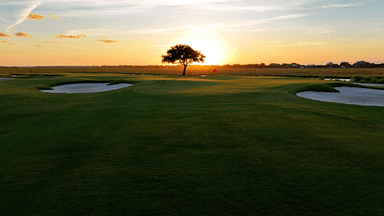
[86, 88]
[348, 95]
[343, 80]
[369, 84]
[3, 79]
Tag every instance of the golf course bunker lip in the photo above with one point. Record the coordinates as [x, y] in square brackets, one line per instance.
[86, 88]
[348, 95]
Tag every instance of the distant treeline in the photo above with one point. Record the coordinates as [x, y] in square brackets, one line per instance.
[359, 64]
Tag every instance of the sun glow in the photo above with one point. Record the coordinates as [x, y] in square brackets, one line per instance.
[209, 48]
[214, 48]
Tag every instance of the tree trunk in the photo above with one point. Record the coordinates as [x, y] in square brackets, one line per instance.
[185, 68]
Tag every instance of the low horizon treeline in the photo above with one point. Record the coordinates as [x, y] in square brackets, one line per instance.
[359, 64]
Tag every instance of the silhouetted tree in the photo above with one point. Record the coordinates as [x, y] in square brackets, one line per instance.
[182, 54]
[345, 64]
[285, 65]
[363, 64]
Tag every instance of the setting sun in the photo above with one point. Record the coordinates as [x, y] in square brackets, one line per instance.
[209, 48]
[214, 46]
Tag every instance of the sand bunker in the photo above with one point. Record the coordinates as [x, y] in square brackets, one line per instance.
[348, 95]
[343, 80]
[86, 88]
[3, 79]
[369, 84]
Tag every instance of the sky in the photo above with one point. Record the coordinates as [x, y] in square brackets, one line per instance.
[131, 32]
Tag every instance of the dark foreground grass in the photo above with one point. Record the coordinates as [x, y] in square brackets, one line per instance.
[174, 146]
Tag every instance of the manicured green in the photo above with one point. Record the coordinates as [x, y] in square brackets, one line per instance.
[172, 145]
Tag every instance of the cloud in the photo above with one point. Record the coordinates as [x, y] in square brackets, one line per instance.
[109, 32]
[4, 35]
[54, 17]
[5, 20]
[240, 25]
[259, 30]
[237, 8]
[70, 36]
[135, 3]
[342, 5]
[190, 2]
[188, 27]
[24, 15]
[235, 26]
[7, 42]
[105, 40]
[160, 30]
[300, 44]
[319, 30]
[94, 32]
[22, 34]
[291, 16]
[80, 8]
[36, 16]
[50, 42]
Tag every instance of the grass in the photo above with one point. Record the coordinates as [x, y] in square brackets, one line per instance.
[172, 145]
[367, 79]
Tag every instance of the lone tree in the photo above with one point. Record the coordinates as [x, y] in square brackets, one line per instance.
[183, 54]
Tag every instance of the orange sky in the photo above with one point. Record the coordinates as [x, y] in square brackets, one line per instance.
[98, 32]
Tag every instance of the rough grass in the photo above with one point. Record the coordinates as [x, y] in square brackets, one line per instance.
[177, 146]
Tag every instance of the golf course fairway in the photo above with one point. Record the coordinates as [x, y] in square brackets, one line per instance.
[173, 145]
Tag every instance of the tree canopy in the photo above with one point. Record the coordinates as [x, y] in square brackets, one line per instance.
[184, 55]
